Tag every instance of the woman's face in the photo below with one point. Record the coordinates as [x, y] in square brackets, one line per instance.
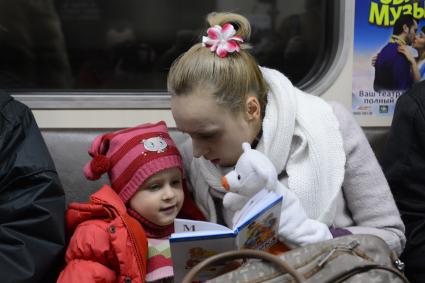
[217, 133]
[419, 42]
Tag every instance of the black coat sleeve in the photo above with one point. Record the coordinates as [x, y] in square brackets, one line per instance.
[404, 160]
[404, 166]
[32, 201]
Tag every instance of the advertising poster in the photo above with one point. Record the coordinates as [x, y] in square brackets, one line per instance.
[388, 49]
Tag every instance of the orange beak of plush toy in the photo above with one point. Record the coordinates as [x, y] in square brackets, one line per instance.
[225, 183]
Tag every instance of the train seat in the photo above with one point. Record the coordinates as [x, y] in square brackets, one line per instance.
[68, 148]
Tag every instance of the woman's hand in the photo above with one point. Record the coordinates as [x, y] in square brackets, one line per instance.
[404, 49]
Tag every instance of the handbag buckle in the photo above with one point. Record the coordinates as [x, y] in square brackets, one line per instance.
[399, 264]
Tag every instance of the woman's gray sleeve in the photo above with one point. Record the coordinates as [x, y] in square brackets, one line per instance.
[366, 191]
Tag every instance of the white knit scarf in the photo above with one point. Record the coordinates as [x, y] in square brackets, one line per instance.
[300, 135]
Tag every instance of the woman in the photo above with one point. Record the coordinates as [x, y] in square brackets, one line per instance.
[417, 64]
[221, 98]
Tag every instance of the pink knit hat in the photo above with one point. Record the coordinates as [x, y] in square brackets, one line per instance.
[131, 156]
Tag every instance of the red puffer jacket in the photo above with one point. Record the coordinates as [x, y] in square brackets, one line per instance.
[107, 245]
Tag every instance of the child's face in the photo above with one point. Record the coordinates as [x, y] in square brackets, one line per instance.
[160, 198]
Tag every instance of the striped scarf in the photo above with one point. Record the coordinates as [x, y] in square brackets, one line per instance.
[160, 264]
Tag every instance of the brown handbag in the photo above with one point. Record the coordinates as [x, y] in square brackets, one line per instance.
[353, 258]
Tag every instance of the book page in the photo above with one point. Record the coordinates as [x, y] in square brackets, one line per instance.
[242, 215]
[186, 254]
[256, 205]
[190, 230]
[186, 225]
[259, 228]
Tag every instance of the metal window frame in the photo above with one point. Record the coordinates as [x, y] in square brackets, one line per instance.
[342, 32]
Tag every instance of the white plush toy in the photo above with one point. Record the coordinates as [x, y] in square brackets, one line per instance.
[253, 172]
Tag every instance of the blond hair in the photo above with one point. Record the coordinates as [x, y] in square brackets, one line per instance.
[233, 77]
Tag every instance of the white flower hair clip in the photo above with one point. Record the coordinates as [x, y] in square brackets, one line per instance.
[222, 40]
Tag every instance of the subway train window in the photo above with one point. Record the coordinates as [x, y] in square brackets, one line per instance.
[87, 46]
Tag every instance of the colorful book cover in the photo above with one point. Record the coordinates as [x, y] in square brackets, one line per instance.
[381, 73]
[256, 228]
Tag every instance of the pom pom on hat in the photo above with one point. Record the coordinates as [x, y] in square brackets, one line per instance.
[96, 167]
[100, 164]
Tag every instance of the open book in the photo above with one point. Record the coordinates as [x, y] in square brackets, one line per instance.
[256, 228]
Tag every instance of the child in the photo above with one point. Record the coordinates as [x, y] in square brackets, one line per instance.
[112, 234]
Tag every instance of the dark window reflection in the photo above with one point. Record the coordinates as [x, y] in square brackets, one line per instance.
[32, 47]
[130, 44]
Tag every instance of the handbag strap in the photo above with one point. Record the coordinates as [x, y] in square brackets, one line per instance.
[243, 254]
[361, 269]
